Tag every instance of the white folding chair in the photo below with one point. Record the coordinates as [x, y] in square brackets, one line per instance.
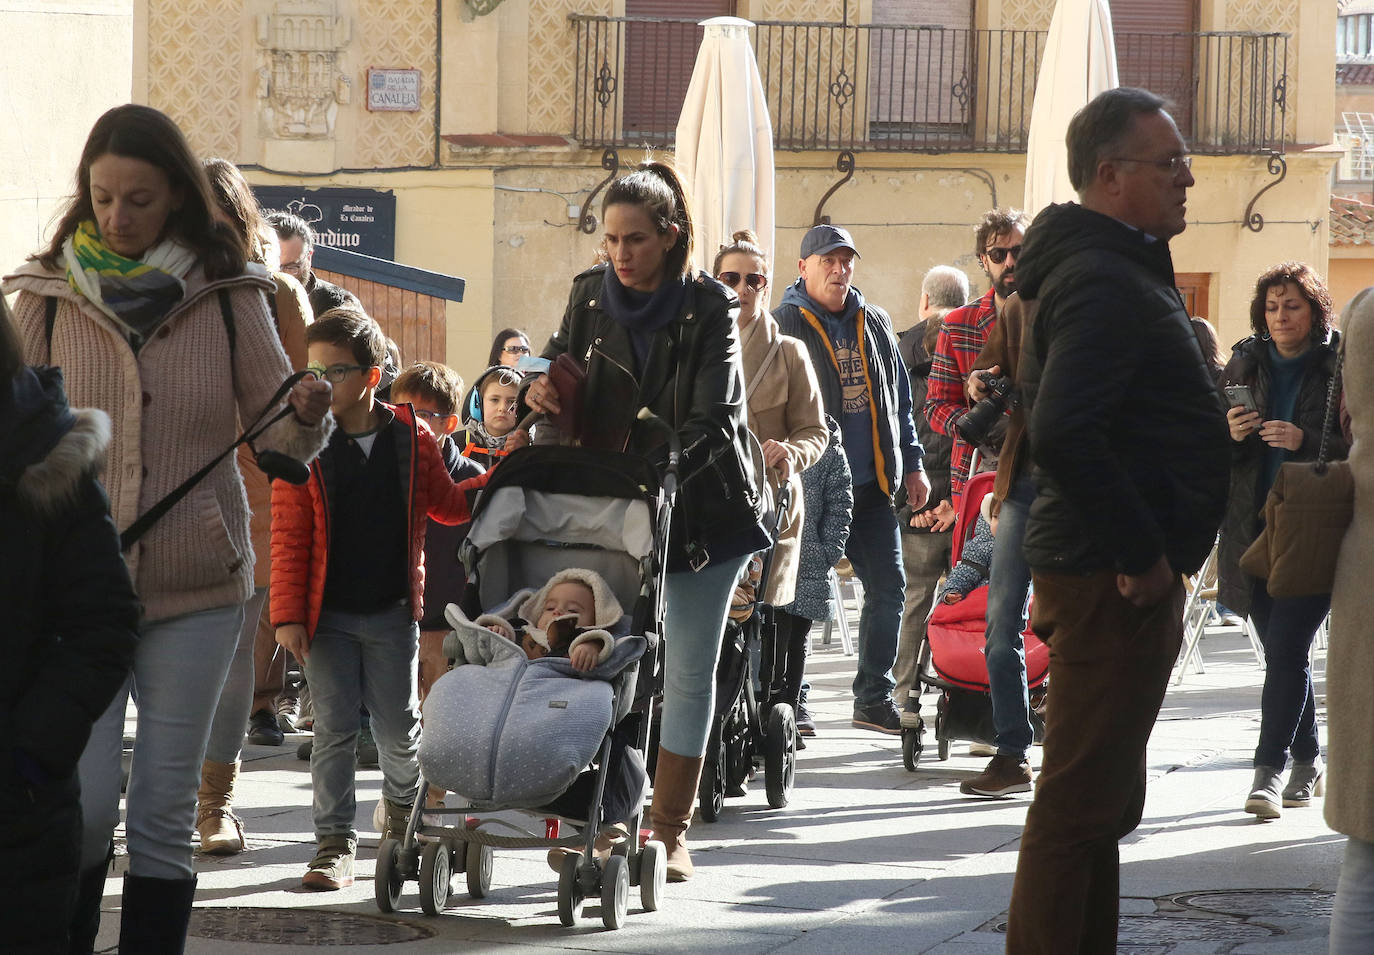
[1199, 610]
[838, 593]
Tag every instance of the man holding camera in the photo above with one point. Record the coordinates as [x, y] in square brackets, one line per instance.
[1131, 472]
[865, 386]
[965, 334]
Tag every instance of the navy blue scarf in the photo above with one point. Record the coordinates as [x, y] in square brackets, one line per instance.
[642, 313]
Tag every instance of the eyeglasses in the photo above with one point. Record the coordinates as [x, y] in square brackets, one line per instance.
[752, 279]
[516, 349]
[430, 415]
[297, 267]
[334, 373]
[1175, 164]
[998, 255]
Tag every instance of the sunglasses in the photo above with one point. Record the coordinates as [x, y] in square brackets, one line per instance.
[999, 255]
[752, 279]
[516, 349]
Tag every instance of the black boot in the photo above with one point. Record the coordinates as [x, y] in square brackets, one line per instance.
[90, 890]
[155, 916]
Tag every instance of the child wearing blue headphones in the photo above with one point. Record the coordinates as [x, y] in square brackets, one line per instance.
[491, 417]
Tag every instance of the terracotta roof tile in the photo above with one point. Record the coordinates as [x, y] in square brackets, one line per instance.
[1352, 222]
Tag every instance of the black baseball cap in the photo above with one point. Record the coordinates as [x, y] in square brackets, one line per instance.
[823, 238]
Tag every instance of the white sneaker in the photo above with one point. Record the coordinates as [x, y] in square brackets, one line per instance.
[379, 815]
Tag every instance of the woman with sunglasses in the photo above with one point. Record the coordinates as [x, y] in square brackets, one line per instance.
[157, 318]
[508, 347]
[784, 405]
[651, 333]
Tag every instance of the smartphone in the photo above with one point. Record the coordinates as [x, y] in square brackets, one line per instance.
[1241, 395]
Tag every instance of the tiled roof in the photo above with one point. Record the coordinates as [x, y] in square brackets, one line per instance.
[1352, 222]
[1355, 74]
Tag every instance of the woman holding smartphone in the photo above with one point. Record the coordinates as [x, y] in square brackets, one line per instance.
[1286, 368]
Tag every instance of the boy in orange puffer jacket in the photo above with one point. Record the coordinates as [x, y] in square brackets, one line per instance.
[348, 582]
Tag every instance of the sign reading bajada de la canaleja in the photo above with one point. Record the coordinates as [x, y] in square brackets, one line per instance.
[356, 220]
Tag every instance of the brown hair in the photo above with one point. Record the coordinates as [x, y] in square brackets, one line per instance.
[353, 329]
[143, 133]
[1206, 336]
[656, 188]
[1310, 287]
[236, 200]
[997, 222]
[432, 381]
[746, 242]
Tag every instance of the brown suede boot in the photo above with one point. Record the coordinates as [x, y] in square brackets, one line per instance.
[675, 794]
[221, 832]
[397, 818]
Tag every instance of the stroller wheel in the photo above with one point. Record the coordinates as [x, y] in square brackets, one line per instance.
[570, 897]
[388, 880]
[711, 790]
[911, 748]
[615, 892]
[653, 874]
[780, 755]
[478, 870]
[434, 878]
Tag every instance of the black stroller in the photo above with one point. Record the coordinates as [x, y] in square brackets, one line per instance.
[534, 735]
[745, 728]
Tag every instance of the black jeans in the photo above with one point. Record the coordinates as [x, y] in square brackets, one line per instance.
[1288, 708]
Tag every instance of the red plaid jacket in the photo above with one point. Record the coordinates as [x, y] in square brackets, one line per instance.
[962, 336]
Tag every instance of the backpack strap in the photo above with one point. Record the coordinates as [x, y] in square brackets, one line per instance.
[226, 310]
[49, 319]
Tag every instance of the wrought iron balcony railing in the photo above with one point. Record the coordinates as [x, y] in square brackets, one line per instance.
[834, 86]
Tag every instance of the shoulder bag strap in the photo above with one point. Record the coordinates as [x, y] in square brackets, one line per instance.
[758, 375]
[49, 320]
[1332, 390]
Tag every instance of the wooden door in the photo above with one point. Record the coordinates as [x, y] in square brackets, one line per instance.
[659, 57]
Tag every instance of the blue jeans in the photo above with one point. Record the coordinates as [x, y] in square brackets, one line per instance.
[179, 669]
[356, 660]
[1009, 580]
[236, 699]
[1288, 708]
[697, 605]
[875, 550]
[1352, 917]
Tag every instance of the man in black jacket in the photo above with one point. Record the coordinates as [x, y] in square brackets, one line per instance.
[865, 386]
[1130, 452]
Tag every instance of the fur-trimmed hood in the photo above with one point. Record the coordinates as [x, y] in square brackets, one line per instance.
[46, 448]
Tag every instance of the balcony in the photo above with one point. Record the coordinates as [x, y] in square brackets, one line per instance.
[833, 86]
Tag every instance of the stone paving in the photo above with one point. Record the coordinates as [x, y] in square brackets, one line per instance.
[867, 857]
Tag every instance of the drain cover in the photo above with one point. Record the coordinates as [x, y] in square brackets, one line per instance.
[302, 927]
[1262, 903]
[1163, 930]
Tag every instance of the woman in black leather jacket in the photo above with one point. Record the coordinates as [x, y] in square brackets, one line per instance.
[650, 333]
[1287, 364]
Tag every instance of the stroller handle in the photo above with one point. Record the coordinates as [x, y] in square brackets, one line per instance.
[670, 474]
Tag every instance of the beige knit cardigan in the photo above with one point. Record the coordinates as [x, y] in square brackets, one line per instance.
[173, 408]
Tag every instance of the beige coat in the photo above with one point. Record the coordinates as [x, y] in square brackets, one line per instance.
[1350, 653]
[785, 406]
[172, 407]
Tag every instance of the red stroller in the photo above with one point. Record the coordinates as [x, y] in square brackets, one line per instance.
[951, 658]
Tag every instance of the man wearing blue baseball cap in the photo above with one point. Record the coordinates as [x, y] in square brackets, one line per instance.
[865, 385]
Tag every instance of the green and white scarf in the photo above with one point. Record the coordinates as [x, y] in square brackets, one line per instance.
[136, 293]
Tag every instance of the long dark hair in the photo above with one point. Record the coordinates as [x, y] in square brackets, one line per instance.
[235, 198]
[499, 342]
[141, 132]
[656, 188]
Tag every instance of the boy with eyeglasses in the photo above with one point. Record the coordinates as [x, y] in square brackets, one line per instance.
[348, 579]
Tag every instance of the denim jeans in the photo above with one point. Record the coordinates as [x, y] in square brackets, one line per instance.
[359, 659]
[235, 700]
[697, 604]
[1009, 579]
[179, 669]
[1288, 707]
[1352, 917]
[875, 550]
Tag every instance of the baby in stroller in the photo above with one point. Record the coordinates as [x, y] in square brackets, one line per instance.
[971, 571]
[575, 616]
[571, 615]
